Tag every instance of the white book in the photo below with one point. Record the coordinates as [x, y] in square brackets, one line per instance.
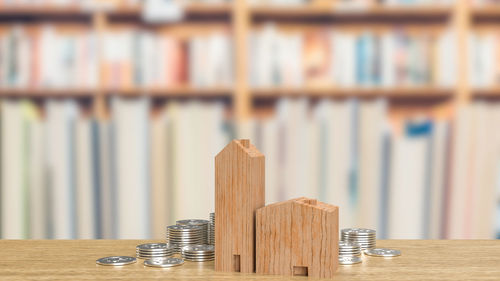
[407, 187]
[440, 143]
[483, 194]
[106, 194]
[270, 150]
[447, 59]
[216, 139]
[13, 181]
[85, 192]
[186, 190]
[388, 60]
[338, 151]
[460, 174]
[38, 181]
[61, 117]
[292, 114]
[160, 202]
[131, 164]
[371, 129]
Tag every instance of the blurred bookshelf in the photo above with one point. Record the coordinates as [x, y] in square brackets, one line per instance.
[435, 28]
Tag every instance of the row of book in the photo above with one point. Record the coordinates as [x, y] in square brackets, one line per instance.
[413, 178]
[484, 59]
[346, 59]
[70, 176]
[144, 59]
[67, 175]
[45, 57]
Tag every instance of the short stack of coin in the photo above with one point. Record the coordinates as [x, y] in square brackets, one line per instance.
[154, 250]
[366, 238]
[349, 249]
[181, 235]
[198, 253]
[211, 230]
[203, 223]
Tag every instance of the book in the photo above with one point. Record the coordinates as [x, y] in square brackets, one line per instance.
[160, 188]
[85, 192]
[131, 166]
[61, 121]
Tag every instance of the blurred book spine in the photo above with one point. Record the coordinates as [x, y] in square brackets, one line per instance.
[327, 58]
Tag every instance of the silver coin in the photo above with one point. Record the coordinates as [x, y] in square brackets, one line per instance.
[358, 230]
[199, 248]
[116, 260]
[163, 262]
[193, 222]
[380, 252]
[152, 247]
[349, 260]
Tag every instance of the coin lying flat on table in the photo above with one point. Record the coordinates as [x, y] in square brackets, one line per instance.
[116, 260]
[163, 262]
[349, 260]
[379, 252]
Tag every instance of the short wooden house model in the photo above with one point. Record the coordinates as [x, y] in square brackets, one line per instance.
[297, 237]
[239, 192]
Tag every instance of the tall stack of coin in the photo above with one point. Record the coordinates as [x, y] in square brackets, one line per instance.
[366, 238]
[349, 249]
[203, 223]
[211, 230]
[154, 250]
[181, 235]
[198, 252]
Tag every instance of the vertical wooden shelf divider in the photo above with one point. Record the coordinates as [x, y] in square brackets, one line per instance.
[99, 23]
[241, 26]
[461, 26]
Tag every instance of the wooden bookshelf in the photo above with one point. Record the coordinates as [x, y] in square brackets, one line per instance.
[241, 17]
[181, 91]
[377, 13]
[414, 93]
[52, 93]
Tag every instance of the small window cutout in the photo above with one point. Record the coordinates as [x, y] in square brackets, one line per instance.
[236, 263]
[300, 271]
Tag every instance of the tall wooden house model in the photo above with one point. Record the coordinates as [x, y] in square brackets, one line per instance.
[239, 192]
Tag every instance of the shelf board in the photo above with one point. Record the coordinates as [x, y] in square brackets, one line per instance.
[47, 93]
[417, 92]
[379, 13]
[181, 91]
[488, 13]
[493, 92]
[193, 11]
[197, 10]
[44, 12]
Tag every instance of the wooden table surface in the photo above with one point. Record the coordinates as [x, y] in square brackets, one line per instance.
[75, 260]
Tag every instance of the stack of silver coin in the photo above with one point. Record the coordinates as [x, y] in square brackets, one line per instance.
[203, 223]
[366, 238]
[198, 253]
[154, 250]
[211, 230]
[181, 235]
[349, 249]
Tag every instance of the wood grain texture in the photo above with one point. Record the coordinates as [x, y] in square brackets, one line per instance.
[298, 233]
[239, 192]
[75, 260]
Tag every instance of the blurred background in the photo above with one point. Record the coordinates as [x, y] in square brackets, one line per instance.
[112, 111]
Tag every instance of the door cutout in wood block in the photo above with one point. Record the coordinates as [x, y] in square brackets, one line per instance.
[236, 263]
[300, 271]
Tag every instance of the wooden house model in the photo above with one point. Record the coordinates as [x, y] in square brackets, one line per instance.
[239, 192]
[297, 237]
